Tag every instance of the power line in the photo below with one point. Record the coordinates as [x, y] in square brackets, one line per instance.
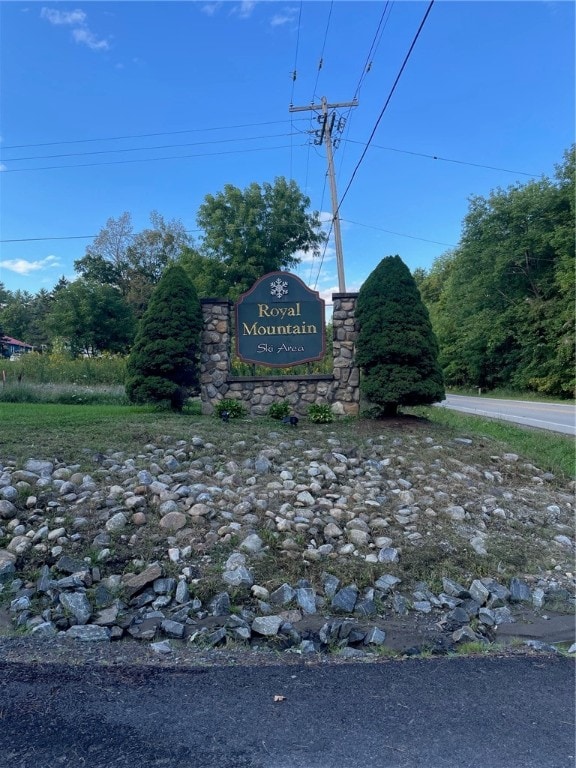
[400, 234]
[447, 159]
[373, 47]
[146, 135]
[294, 75]
[381, 115]
[321, 59]
[146, 160]
[144, 149]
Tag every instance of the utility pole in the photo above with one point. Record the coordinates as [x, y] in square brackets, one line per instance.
[325, 135]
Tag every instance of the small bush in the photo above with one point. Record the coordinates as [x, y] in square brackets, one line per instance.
[233, 408]
[320, 414]
[279, 410]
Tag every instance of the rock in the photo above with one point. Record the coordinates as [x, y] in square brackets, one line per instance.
[479, 591]
[220, 604]
[387, 582]
[519, 591]
[388, 555]
[283, 595]
[345, 599]
[77, 604]
[182, 592]
[306, 600]
[464, 634]
[252, 544]
[89, 633]
[173, 521]
[454, 589]
[172, 628]
[163, 647]
[136, 583]
[266, 625]
[456, 513]
[39, 467]
[7, 510]
[238, 577]
[116, 523]
[375, 636]
[46, 630]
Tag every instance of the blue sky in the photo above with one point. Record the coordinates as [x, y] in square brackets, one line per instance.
[487, 89]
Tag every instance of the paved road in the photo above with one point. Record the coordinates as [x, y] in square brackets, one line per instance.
[509, 712]
[556, 417]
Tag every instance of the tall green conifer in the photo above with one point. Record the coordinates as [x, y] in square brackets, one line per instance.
[163, 366]
[396, 348]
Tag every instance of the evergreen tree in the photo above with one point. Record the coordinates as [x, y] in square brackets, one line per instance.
[396, 348]
[163, 366]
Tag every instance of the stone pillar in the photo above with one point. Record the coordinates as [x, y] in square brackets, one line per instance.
[215, 358]
[346, 387]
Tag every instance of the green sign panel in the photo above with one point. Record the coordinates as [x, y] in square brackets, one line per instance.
[280, 322]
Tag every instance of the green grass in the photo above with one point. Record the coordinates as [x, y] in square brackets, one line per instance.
[69, 431]
[549, 451]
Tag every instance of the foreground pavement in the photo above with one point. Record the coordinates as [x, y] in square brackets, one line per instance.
[513, 711]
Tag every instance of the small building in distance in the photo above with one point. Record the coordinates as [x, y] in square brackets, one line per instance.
[13, 348]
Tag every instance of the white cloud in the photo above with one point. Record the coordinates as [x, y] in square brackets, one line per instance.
[81, 33]
[88, 38]
[244, 9]
[2, 167]
[73, 18]
[25, 267]
[209, 9]
[279, 19]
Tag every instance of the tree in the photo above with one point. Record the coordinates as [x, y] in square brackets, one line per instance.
[256, 231]
[396, 348]
[91, 318]
[133, 263]
[504, 311]
[163, 366]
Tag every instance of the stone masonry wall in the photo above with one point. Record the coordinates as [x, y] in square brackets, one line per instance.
[339, 390]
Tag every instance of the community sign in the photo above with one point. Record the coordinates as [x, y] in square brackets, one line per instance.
[280, 322]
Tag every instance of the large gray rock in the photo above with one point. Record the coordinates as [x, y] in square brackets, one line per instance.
[267, 625]
[345, 599]
[77, 604]
[89, 633]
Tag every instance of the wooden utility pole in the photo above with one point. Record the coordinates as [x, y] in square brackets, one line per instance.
[325, 135]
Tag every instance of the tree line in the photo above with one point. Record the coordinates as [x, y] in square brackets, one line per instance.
[502, 302]
[246, 233]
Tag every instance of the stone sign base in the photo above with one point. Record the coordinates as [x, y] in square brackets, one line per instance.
[340, 390]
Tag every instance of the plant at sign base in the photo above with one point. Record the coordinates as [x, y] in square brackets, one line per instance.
[279, 410]
[229, 409]
[320, 413]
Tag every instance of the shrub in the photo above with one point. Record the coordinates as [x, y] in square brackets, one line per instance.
[279, 410]
[233, 408]
[320, 413]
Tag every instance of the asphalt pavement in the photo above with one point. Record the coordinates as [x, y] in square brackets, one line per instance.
[555, 417]
[495, 712]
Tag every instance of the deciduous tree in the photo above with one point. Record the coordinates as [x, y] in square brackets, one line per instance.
[254, 231]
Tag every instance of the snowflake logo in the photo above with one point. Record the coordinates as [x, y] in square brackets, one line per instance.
[279, 288]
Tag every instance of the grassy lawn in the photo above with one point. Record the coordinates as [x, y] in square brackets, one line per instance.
[71, 433]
